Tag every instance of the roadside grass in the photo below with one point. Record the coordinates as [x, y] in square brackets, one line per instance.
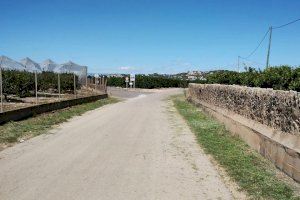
[11, 132]
[250, 170]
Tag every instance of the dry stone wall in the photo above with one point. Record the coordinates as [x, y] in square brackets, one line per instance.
[268, 120]
[274, 108]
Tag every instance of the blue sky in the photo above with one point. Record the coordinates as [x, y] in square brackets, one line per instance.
[144, 36]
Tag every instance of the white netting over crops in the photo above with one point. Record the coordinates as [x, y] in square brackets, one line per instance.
[27, 64]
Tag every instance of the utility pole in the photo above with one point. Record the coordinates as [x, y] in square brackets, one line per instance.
[269, 47]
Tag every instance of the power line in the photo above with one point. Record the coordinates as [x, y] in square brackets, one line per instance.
[259, 44]
[269, 46]
[252, 61]
[281, 26]
[270, 39]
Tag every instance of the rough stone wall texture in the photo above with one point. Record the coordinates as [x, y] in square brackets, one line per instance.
[277, 109]
[266, 119]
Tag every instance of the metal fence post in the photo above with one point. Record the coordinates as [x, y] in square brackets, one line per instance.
[105, 85]
[86, 78]
[58, 84]
[36, 94]
[75, 85]
[1, 89]
[102, 83]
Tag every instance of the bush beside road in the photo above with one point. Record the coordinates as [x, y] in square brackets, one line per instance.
[277, 77]
[149, 82]
[22, 83]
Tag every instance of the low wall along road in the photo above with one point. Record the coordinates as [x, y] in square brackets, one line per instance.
[268, 120]
[26, 112]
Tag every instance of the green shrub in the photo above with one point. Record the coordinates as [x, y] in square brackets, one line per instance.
[295, 83]
[149, 82]
[116, 81]
[22, 83]
[278, 77]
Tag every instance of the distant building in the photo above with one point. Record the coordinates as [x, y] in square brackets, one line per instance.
[115, 75]
[191, 77]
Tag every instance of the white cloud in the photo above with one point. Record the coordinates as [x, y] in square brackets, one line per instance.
[126, 68]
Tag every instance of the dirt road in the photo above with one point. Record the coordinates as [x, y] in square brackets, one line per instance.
[136, 149]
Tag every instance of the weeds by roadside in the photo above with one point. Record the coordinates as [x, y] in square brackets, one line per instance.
[250, 170]
[11, 132]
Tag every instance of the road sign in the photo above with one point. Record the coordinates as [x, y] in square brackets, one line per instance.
[132, 77]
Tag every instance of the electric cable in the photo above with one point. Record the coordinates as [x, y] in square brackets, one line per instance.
[259, 44]
[281, 26]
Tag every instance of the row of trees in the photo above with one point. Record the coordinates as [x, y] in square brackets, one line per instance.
[279, 78]
[22, 83]
[149, 82]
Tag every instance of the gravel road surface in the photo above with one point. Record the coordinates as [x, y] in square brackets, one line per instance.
[135, 149]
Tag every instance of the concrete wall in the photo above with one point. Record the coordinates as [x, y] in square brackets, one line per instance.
[23, 113]
[266, 119]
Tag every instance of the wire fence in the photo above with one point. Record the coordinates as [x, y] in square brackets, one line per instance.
[19, 89]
